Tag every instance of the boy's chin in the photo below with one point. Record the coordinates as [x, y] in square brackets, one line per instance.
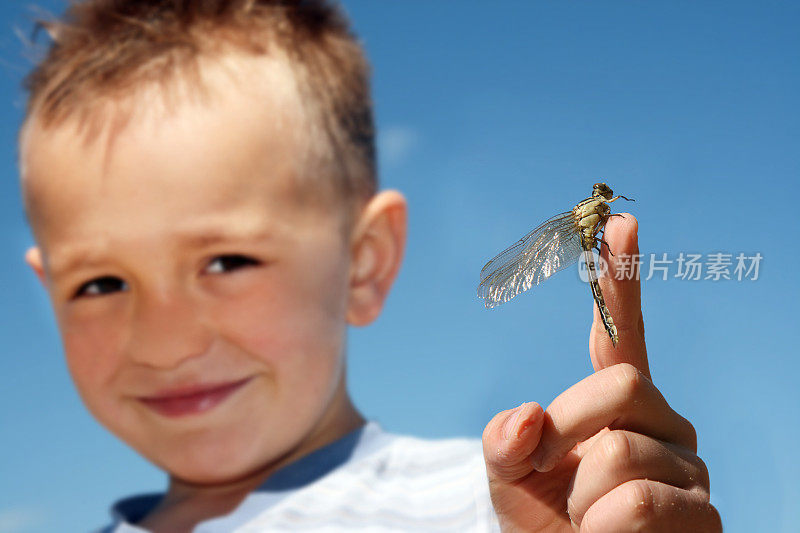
[202, 470]
[210, 463]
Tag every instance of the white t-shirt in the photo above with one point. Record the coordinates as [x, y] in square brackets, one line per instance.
[368, 480]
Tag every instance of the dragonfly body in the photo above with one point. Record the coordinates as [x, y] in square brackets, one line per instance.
[590, 216]
[554, 245]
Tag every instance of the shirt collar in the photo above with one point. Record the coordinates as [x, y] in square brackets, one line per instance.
[351, 447]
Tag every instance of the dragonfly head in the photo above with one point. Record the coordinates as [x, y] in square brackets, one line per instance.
[601, 189]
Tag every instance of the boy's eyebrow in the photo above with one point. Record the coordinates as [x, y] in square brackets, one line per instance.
[86, 257]
[214, 236]
[69, 262]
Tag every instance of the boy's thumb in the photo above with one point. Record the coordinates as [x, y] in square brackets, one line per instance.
[508, 441]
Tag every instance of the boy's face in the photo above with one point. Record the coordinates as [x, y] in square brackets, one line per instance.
[202, 309]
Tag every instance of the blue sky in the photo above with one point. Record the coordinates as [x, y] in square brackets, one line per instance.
[492, 117]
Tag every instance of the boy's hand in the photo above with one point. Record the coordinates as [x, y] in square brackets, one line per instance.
[609, 454]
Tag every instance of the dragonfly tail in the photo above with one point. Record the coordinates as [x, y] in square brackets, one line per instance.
[605, 314]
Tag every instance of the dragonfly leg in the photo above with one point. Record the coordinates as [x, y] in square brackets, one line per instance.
[601, 241]
[616, 215]
[623, 197]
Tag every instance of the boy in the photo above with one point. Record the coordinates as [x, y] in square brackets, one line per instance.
[200, 180]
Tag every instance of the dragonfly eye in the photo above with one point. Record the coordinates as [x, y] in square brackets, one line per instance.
[601, 189]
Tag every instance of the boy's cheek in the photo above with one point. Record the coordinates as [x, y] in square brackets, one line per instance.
[89, 345]
[284, 312]
[94, 366]
[93, 337]
[300, 344]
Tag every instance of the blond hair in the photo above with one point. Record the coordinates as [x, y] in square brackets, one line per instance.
[104, 49]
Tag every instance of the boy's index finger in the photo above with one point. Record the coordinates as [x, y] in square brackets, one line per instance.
[622, 294]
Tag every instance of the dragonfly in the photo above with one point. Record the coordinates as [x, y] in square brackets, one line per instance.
[554, 245]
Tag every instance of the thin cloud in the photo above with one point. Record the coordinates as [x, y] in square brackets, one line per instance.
[395, 143]
[20, 519]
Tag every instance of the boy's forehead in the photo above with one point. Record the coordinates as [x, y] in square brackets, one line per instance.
[247, 112]
[247, 119]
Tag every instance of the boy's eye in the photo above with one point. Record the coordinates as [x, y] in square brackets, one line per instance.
[227, 263]
[101, 286]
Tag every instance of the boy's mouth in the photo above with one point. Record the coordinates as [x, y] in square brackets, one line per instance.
[191, 400]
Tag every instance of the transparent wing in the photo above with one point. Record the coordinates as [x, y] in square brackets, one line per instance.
[553, 246]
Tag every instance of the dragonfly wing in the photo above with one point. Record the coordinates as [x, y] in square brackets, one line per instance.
[553, 246]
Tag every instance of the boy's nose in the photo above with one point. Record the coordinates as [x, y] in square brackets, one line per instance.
[167, 329]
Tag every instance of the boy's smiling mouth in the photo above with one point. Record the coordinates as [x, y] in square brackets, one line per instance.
[192, 399]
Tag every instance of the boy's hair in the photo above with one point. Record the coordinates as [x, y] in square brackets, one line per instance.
[104, 49]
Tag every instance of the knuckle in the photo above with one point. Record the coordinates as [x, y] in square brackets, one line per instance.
[700, 495]
[685, 433]
[640, 503]
[691, 436]
[615, 450]
[714, 518]
[629, 379]
[702, 472]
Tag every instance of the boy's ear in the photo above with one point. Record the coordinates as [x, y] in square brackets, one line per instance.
[377, 249]
[34, 259]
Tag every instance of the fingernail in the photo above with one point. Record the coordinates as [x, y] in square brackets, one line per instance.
[511, 422]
